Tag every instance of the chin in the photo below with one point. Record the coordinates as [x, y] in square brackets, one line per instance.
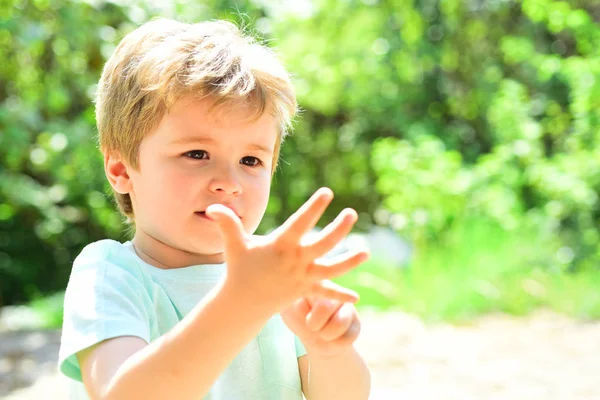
[208, 248]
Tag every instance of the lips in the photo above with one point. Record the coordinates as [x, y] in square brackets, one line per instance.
[203, 213]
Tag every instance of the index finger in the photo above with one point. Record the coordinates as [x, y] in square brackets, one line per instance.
[229, 224]
[307, 216]
[333, 291]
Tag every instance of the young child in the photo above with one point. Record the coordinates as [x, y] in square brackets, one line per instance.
[190, 120]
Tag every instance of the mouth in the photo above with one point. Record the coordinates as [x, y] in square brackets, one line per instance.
[202, 214]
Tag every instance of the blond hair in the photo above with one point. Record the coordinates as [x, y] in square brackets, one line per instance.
[164, 60]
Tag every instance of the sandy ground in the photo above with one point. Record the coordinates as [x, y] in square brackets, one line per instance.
[543, 356]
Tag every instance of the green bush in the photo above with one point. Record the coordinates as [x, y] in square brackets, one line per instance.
[421, 115]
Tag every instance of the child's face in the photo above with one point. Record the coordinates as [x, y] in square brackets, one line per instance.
[196, 158]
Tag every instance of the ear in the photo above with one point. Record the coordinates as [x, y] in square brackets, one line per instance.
[117, 173]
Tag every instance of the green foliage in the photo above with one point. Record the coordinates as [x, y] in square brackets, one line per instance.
[54, 198]
[49, 310]
[49, 165]
[478, 268]
[424, 116]
[532, 152]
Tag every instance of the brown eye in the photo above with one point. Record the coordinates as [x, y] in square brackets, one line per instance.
[250, 161]
[196, 154]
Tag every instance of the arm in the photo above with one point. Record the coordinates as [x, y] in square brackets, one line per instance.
[190, 357]
[344, 376]
[332, 368]
[263, 276]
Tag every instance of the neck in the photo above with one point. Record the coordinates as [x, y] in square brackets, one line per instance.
[164, 255]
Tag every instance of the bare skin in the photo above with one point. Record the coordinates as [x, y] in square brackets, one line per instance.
[265, 275]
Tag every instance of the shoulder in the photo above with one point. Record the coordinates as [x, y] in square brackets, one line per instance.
[108, 296]
[107, 279]
[105, 271]
[107, 254]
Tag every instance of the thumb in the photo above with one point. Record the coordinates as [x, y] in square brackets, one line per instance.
[295, 316]
[229, 224]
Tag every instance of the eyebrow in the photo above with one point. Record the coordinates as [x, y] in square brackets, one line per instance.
[189, 140]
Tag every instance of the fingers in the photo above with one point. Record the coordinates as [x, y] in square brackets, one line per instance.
[333, 233]
[349, 335]
[295, 315]
[306, 217]
[338, 266]
[333, 291]
[339, 323]
[302, 307]
[229, 224]
[322, 310]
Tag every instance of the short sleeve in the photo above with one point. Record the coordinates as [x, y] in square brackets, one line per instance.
[300, 350]
[103, 300]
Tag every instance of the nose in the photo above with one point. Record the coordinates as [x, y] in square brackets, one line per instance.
[225, 181]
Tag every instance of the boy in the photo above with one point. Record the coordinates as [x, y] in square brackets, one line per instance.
[190, 120]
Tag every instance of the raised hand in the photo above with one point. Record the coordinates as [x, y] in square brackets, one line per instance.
[277, 269]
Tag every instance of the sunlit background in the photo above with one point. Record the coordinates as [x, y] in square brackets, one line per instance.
[464, 132]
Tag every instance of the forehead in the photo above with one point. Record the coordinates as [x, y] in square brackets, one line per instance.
[190, 118]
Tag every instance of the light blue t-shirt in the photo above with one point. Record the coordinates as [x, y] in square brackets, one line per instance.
[112, 292]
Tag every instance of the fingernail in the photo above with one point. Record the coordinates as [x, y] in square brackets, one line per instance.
[209, 214]
[325, 191]
[352, 213]
[211, 217]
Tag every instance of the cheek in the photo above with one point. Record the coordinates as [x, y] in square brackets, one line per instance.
[169, 188]
[260, 197]
[265, 197]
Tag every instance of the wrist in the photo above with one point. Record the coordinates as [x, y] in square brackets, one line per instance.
[247, 298]
[328, 353]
